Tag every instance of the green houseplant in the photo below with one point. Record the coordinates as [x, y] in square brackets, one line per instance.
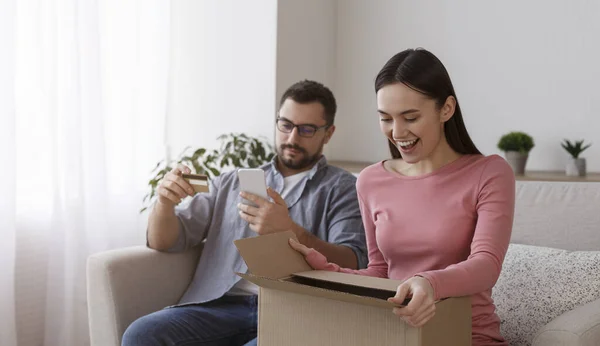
[516, 147]
[236, 150]
[576, 166]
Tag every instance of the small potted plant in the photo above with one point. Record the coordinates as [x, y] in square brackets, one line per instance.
[576, 166]
[516, 146]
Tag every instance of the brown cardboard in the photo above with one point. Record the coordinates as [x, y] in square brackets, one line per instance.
[271, 256]
[301, 306]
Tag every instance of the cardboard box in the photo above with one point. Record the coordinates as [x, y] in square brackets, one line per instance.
[302, 306]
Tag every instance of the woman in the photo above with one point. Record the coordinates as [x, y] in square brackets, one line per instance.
[439, 214]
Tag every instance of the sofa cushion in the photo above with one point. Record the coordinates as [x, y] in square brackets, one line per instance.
[537, 284]
[557, 214]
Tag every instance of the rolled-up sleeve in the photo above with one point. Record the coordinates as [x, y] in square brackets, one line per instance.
[345, 225]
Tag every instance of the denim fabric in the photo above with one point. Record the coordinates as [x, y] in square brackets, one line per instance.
[230, 320]
[253, 342]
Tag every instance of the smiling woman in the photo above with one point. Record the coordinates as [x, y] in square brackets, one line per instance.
[424, 103]
[438, 216]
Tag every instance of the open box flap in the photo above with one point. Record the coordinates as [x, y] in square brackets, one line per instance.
[351, 279]
[271, 255]
[293, 287]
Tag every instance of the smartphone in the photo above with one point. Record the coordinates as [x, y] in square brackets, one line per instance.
[252, 180]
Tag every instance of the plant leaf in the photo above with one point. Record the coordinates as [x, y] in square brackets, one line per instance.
[200, 151]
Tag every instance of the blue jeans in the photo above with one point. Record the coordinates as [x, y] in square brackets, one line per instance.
[229, 320]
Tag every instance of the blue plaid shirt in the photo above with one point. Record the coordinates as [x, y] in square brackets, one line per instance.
[324, 202]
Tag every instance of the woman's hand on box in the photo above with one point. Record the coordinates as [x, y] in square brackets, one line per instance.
[314, 258]
[421, 307]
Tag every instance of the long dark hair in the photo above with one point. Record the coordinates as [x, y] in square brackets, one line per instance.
[423, 72]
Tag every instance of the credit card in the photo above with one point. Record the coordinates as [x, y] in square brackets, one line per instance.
[198, 181]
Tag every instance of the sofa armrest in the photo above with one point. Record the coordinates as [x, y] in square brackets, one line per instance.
[578, 327]
[128, 283]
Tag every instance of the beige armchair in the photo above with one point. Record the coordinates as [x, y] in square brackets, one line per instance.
[128, 283]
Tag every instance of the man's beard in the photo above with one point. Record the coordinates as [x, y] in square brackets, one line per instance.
[306, 161]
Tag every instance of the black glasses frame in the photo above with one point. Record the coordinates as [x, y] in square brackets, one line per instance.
[301, 127]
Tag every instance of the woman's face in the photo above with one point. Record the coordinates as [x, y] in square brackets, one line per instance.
[412, 121]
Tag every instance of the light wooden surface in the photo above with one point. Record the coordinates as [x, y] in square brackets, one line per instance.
[351, 166]
[356, 167]
[557, 176]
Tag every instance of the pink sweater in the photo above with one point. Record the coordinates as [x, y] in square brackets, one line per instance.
[451, 226]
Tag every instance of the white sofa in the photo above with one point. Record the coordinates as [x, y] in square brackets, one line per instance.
[556, 241]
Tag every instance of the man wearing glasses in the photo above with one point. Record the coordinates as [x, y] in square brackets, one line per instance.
[316, 201]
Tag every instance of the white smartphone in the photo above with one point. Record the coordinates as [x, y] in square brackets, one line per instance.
[252, 180]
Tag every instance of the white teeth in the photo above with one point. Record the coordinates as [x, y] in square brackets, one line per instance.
[406, 144]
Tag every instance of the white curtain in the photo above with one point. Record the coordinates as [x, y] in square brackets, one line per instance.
[83, 96]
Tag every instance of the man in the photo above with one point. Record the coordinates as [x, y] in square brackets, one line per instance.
[316, 201]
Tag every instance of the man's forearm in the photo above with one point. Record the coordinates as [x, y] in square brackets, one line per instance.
[163, 227]
[338, 254]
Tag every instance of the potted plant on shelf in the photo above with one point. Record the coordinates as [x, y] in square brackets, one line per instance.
[576, 166]
[516, 147]
[237, 150]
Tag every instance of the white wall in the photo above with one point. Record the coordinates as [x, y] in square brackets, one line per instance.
[223, 77]
[306, 43]
[516, 65]
[277, 43]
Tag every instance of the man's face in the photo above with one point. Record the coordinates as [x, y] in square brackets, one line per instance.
[297, 150]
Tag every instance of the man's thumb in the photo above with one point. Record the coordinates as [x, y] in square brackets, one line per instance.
[276, 197]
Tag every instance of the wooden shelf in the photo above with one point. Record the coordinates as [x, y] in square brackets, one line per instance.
[357, 167]
[351, 166]
[557, 176]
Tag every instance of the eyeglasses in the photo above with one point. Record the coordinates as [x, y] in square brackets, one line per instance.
[304, 130]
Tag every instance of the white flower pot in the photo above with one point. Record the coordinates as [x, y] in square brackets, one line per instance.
[576, 167]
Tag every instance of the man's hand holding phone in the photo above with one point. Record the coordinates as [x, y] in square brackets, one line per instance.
[267, 217]
[263, 215]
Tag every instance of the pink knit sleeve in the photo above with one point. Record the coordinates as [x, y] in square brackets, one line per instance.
[377, 265]
[495, 212]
